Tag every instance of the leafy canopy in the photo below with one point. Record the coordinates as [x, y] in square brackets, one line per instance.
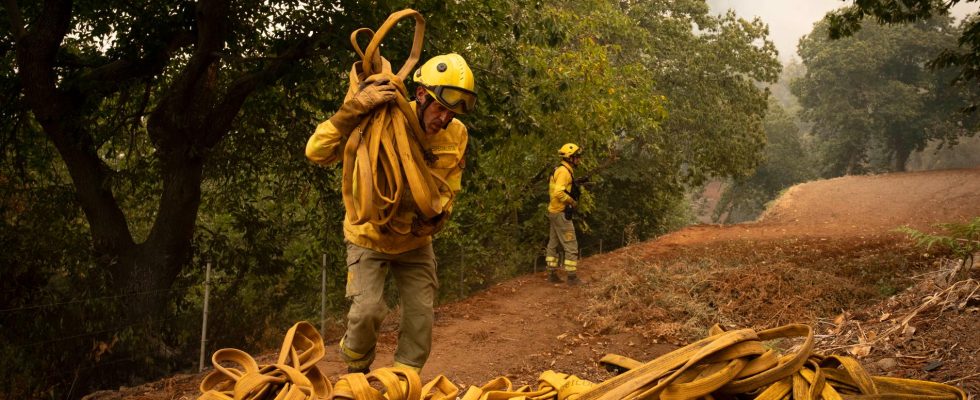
[848, 21]
[871, 99]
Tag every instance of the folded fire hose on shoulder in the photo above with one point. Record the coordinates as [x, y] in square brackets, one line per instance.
[384, 152]
[725, 365]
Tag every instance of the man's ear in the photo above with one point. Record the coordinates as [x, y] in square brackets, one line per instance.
[420, 92]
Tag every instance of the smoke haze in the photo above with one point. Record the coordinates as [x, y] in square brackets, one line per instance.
[789, 20]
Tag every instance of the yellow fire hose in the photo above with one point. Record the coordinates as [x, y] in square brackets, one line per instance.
[385, 152]
[724, 365]
[294, 376]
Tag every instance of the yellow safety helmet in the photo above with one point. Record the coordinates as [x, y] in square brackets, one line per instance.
[569, 149]
[449, 80]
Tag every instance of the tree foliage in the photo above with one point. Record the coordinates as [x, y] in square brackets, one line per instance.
[148, 140]
[847, 21]
[123, 115]
[871, 99]
[788, 161]
[788, 158]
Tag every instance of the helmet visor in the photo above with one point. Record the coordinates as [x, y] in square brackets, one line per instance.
[459, 100]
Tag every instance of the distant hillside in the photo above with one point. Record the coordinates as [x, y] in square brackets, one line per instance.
[919, 199]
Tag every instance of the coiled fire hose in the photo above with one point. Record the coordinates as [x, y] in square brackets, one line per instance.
[384, 152]
[724, 365]
[294, 375]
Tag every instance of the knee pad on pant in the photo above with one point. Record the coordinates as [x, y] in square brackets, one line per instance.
[373, 311]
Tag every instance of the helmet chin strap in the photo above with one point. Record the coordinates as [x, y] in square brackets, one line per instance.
[420, 110]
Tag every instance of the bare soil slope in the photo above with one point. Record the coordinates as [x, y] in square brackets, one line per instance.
[825, 254]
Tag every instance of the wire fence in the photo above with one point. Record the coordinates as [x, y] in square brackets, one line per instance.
[113, 331]
[89, 300]
[326, 305]
[9, 312]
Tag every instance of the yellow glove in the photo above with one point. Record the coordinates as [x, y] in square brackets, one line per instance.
[373, 93]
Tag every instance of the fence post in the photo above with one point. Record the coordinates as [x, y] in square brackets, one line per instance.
[204, 322]
[600, 246]
[462, 270]
[323, 295]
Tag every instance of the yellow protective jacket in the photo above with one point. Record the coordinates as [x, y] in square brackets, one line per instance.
[559, 188]
[326, 147]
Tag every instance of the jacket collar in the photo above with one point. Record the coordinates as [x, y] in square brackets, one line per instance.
[568, 165]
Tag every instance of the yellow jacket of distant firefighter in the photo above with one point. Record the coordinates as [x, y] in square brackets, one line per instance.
[559, 188]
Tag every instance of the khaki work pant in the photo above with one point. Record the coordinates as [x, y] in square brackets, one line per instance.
[561, 232]
[415, 276]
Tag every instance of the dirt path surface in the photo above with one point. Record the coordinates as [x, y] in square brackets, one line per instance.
[516, 328]
[526, 325]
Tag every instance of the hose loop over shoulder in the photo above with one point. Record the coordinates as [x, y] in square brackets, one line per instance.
[386, 152]
[371, 55]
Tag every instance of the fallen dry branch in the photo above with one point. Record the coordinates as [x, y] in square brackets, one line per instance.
[889, 330]
[927, 332]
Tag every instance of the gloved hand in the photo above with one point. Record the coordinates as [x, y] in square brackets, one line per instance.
[429, 227]
[373, 93]
[572, 203]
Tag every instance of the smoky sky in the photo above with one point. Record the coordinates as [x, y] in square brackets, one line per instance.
[789, 20]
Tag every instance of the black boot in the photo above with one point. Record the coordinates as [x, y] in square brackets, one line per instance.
[573, 279]
[553, 276]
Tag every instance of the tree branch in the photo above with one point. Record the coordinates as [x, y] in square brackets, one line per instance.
[37, 47]
[224, 113]
[186, 102]
[212, 27]
[152, 64]
[57, 112]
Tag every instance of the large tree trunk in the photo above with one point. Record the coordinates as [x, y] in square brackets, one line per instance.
[195, 110]
[153, 266]
[147, 269]
[142, 272]
[901, 159]
[901, 152]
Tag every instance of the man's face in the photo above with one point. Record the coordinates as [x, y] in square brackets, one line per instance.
[435, 116]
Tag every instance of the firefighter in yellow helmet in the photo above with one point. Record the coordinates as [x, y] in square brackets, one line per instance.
[445, 88]
[562, 231]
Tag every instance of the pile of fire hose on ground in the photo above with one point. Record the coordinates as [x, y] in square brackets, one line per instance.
[724, 365]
